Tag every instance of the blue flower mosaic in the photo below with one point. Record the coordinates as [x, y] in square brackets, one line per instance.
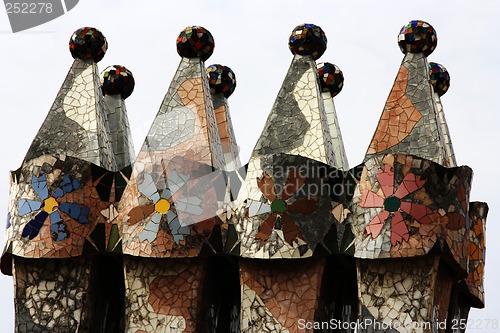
[50, 205]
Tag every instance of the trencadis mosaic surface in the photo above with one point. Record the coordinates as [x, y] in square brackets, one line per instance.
[181, 237]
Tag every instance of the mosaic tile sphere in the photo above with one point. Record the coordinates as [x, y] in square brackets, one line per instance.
[417, 36]
[117, 80]
[308, 39]
[331, 78]
[195, 42]
[440, 78]
[88, 43]
[221, 80]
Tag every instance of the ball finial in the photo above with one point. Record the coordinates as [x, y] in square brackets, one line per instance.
[195, 42]
[308, 39]
[221, 80]
[417, 36]
[88, 43]
[440, 78]
[117, 80]
[331, 78]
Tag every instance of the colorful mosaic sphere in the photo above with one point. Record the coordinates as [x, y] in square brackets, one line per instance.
[440, 78]
[117, 80]
[417, 36]
[308, 39]
[88, 43]
[331, 78]
[221, 80]
[195, 42]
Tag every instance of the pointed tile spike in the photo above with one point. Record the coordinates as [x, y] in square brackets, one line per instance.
[449, 153]
[185, 125]
[76, 124]
[119, 130]
[228, 139]
[335, 134]
[409, 123]
[173, 191]
[298, 124]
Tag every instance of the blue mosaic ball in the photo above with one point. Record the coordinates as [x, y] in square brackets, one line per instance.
[417, 36]
[440, 78]
[88, 43]
[117, 80]
[331, 78]
[195, 42]
[308, 39]
[221, 80]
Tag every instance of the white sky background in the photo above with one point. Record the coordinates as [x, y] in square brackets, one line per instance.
[251, 37]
